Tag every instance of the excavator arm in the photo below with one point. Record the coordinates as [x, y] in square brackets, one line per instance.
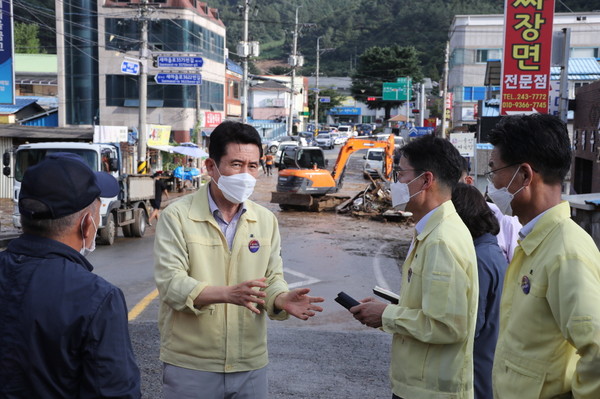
[355, 144]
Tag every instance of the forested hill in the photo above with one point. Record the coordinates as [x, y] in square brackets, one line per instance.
[347, 27]
[351, 26]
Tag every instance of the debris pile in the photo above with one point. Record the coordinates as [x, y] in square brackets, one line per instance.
[375, 201]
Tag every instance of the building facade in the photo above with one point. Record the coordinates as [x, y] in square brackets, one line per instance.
[477, 39]
[96, 36]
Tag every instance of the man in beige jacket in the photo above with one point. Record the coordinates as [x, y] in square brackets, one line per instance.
[219, 273]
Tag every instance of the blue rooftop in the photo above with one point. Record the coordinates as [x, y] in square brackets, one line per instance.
[233, 67]
[20, 103]
[579, 69]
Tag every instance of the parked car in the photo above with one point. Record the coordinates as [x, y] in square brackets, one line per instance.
[339, 138]
[273, 145]
[365, 129]
[373, 162]
[309, 137]
[282, 147]
[399, 142]
[324, 140]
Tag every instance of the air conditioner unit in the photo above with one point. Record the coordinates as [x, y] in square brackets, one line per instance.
[254, 49]
[243, 49]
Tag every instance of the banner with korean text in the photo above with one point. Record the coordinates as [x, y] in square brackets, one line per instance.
[527, 56]
[158, 135]
[7, 70]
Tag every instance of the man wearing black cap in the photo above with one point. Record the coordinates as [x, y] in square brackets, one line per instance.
[63, 329]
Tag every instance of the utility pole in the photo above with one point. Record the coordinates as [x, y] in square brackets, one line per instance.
[246, 54]
[317, 89]
[563, 105]
[294, 63]
[445, 91]
[407, 104]
[422, 105]
[143, 89]
[198, 116]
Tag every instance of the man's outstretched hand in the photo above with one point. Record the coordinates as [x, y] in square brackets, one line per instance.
[298, 304]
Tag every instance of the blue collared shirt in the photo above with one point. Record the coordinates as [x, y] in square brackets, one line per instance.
[228, 229]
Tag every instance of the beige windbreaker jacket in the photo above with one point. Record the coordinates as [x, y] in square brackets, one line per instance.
[191, 253]
[434, 322]
[549, 340]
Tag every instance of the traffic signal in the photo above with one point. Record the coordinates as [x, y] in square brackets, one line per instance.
[371, 98]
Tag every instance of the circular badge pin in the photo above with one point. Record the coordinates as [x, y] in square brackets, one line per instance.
[253, 246]
[525, 285]
[409, 277]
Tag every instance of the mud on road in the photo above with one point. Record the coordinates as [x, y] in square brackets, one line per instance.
[352, 253]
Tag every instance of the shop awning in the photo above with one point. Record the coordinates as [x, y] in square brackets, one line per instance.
[189, 151]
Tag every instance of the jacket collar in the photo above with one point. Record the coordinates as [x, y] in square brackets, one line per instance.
[440, 213]
[200, 209]
[548, 222]
[41, 247]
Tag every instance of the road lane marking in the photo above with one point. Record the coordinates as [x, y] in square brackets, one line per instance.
[307, 279]
[141, 305]
[381, 281]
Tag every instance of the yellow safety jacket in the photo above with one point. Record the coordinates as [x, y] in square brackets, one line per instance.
[191, 253]
[434, 321]
[549, 340]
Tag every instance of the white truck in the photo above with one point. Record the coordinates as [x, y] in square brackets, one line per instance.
[128, 210]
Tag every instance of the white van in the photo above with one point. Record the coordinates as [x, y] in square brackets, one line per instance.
[373, 165]
[346, 130]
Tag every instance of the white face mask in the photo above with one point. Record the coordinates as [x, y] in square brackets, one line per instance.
[502, 197]
[401, 194]
[86, 251]
[236, 188]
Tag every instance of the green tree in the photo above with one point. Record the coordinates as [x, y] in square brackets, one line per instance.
[384, 64]
[26, 39]
[279, 70]
[335, 100]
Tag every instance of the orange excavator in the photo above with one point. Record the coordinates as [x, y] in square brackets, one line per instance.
[305, 183]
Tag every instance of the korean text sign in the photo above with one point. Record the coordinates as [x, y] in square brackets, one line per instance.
[527, 56]
[7, 72]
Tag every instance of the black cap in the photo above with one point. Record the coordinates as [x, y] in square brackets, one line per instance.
[65, 184]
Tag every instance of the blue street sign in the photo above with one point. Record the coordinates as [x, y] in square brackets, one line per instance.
[324, 99]
[130, 67]
[179, 62]
[178, 78]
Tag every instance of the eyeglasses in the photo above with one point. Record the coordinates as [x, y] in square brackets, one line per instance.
[490, 174]
[398, 173]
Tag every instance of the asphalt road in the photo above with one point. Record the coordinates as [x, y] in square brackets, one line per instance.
[329, 356]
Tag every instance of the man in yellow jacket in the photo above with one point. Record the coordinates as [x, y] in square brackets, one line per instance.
[219, 273]
[549, 340]
[434, 322]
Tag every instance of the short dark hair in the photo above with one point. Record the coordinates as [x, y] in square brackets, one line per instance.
[538, 139]
[232, 132]
[52, 228]
[474, 210]
[436, 155]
